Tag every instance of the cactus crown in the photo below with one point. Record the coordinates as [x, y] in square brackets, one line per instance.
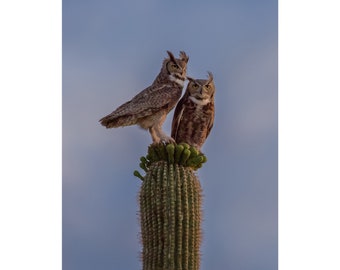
[181, 154]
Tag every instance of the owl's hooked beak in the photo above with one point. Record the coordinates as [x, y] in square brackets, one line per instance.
[183, 72]
[203, 90]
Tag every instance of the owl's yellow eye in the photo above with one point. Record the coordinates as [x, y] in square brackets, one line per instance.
[175, 65]
[195, 86]
[208, 86]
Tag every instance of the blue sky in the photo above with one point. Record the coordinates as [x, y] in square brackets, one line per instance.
[114, 49]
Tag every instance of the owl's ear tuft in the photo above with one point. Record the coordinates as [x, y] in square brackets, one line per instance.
[183, 56]
[172, 57]
[190, 79]
[210, 77]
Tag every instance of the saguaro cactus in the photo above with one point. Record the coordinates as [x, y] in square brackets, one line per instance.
[170, 207]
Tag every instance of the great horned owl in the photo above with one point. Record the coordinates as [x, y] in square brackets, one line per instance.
[149, 108]
[194, 113]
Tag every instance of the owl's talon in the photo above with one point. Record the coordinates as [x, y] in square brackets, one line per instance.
[167, 140]
[171, 140]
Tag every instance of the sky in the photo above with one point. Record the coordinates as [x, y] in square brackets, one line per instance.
[114, 49]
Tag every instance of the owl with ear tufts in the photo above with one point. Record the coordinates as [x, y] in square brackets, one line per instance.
[149, 108]
[194, 114]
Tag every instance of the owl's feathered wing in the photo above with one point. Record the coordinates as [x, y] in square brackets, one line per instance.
[148, 102]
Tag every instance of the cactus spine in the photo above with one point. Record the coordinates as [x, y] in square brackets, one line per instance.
[170, 207]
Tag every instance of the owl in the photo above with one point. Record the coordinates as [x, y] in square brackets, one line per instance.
[194, 113]
[149, 108]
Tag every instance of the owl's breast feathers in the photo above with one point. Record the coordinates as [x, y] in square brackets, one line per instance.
[192, 123]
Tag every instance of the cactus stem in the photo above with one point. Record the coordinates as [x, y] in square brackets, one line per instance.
[170, 207]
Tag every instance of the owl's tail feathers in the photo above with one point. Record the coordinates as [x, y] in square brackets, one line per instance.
[113, 121]
[109, 122]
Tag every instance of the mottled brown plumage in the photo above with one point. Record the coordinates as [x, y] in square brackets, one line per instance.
[149, 108]
[194, 114]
